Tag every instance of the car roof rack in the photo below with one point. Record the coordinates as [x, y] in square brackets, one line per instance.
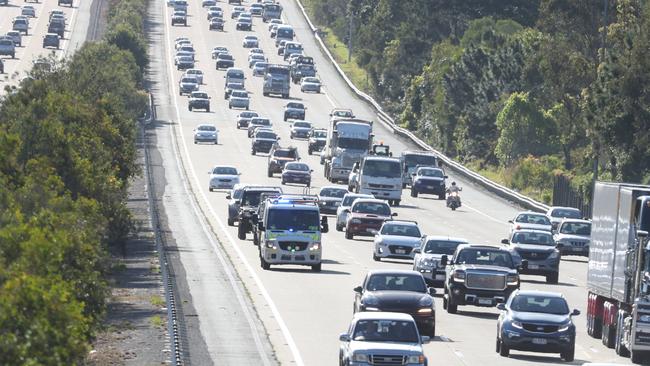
[295, 199]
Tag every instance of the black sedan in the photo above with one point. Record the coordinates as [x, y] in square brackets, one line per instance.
[225, 61]
[400, 291]
[536, 321]
[296, 173]
[330, 198]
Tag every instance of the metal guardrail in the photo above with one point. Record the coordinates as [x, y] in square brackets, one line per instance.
[384, 118]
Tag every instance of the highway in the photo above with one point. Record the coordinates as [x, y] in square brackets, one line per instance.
[79, 24]
[304, 312]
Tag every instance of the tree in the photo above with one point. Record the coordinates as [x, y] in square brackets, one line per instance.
[523, 130]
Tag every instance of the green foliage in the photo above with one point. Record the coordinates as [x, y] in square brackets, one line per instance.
[456, 72]
[67, 154]
[524, 130]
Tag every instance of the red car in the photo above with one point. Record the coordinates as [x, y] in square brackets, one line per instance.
[366, 216]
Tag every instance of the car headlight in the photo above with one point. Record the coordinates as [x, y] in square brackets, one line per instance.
[271, 244]
[458, 276]
[426, 263]
[415, 359]
[564, 327]
[370, 301]
[643, 318]
[360, 357]
[554, 254]
[517, 324]
[381, 243]
[512, 280]
[315, 246]
[355, 221]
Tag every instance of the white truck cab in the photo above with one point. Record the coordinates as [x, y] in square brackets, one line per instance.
[381, 177]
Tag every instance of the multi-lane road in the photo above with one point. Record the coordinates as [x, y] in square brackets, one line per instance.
[304, 312]
[288, 315]
[79, 25]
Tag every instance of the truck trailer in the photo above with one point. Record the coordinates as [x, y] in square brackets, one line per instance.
[348, 141]
[618, 281]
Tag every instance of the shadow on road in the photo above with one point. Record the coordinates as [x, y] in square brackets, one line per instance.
[308, 271]
[544, 359]
[543, 282]
[478, 315]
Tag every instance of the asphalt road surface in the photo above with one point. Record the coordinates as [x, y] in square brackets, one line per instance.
[298, 312]
[78, 25]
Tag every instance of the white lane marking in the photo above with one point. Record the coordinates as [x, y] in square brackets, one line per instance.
[276, 313]
[486, 215]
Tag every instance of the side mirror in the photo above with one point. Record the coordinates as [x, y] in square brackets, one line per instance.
[431, 291]
[228, 196]
[417, 250]
[394, 214]
[524, 264]
[358, 289]
[505, 241]
[575, 312]
[559, 245]
[311, 170]
[510, 221]
[344, 337]
[444, 260]
[501, 306]
[446, 176]
[425, 339]
[260, 226]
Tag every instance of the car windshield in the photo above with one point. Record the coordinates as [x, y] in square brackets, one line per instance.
[385, 331]
[240, 94]
[257, 56]
[348, 199]
[320, 134]
[284, 33]
[190, 80]
[436, 173]
[235, 86]
[396, 282]
[377, 208]
[252, 198]
[243, 19]
[539, 304]
[266, 135]
[285, 154]
[440, 247]
[486, 257]
[416, 159]
[382, 168]
[310, 80]
[186, 59]
[248, 114]
[225, 170]
[533, 219]
[232, 74]
[576, 228]
[352, 143]
[261, 65]
[224, 56]
[200, 95]
[345, 114]
[333, 192]
[302, 124]
[293, 220]
[251, 38]
[295, 105]
[206, 128]
[529, 237]
[567, 213]
[261, 121]
[401, 230]
[297, 166]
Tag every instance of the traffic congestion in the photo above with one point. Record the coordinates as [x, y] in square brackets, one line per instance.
[357, 182]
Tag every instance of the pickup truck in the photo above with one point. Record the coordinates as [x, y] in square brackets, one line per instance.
[480, 275]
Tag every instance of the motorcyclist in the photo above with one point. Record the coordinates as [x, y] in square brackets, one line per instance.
[454, 188]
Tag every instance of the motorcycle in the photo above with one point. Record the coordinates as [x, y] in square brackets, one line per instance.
[453, 201]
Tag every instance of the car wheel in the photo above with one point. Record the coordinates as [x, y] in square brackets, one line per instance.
[348, 234]
[552, 278]
[396, 203]
[414, 193]
[190, 108]
[264, 264]
[253, 152]
[403, 185]
[282, 182]
[339, 227]
[207, 109]
[569, 355]
[241, 232]
[229, 106]
[269, 173]
[504, 351]
[210, 189]
[231, 222]
[316, 267]
[432, 331]
[451, 307]
[441, 196]
[285, 117]
[376, 258]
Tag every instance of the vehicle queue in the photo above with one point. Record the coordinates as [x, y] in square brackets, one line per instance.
[391, 307]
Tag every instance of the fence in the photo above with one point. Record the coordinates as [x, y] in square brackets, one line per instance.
[564, 194]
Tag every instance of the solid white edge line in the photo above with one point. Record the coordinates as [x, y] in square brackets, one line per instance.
[276, 313]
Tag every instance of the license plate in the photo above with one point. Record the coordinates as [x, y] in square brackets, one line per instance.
[440, 277]
[485, 301]
[429, 187]
[576, 249]
[533, 266]
[400, 251]
[539, 341]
